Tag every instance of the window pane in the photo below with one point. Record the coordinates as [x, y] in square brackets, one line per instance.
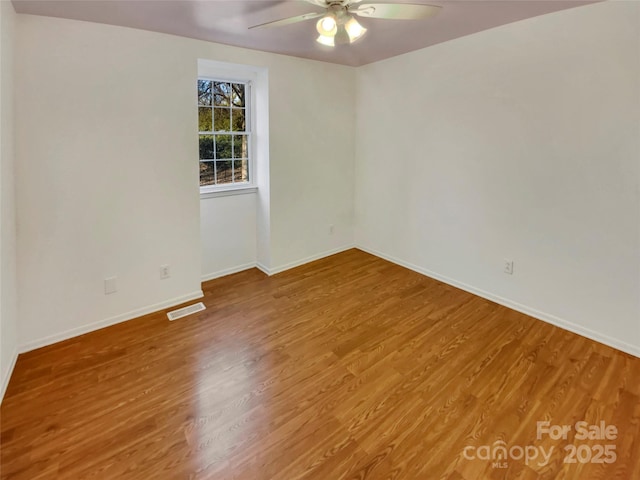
[238, 95]
[221, 94]
[224, 172]
[222, 119]
[204, 92]
[206, 147]
[240, 147]
[207, 173]
[204, 119]
[223, 147]
[223, 144]
[238, 123]
[241, 170]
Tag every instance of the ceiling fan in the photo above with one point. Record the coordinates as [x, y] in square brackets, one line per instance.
[338, 25]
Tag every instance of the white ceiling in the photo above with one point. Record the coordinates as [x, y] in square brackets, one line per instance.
[227, 22]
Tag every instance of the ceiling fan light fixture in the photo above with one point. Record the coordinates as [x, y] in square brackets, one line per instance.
[337, 25]
[354, 29]
[326, 40]
[327, 26]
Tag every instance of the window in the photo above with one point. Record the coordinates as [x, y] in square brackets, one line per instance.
[224, 130]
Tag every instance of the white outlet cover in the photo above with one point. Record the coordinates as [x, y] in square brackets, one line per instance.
[508, 266]
[110, 285]
[165, 271]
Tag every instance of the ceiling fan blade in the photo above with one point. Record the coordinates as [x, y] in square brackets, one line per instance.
[288, 21]
[319, 3]
[396, 11]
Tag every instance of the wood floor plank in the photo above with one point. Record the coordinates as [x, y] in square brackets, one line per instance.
[346, 368]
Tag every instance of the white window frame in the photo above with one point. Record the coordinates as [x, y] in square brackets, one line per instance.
[225, 72]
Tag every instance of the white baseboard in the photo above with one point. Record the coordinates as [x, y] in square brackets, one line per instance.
[228, 271]
[74, 332]
[272, 271]
[532, 312]
[302, 261]
[262, 268]
[6, 375]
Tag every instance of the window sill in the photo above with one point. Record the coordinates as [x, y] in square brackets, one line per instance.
[225, 192]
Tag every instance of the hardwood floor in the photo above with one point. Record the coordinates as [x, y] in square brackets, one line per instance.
[346, 368]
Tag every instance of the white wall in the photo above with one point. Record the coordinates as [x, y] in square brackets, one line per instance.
[228, 234]
[107, 168]
[312, 124]
[8, 300]
[520, 142]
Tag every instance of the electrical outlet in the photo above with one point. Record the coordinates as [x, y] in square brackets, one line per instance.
[110, 285]
[508, 266]
[165, 272]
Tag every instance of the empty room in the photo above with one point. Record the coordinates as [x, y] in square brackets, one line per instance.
[320, 240]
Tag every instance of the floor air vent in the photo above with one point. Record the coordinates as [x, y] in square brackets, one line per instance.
[184, 311]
